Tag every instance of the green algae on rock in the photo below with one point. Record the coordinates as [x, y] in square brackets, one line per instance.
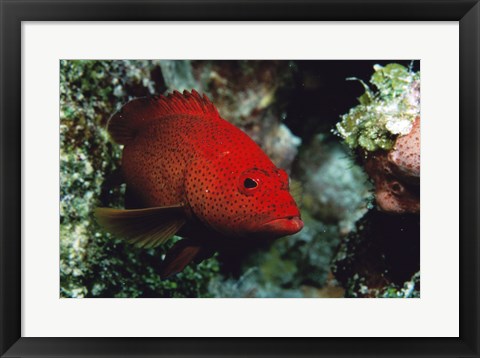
[383, 114]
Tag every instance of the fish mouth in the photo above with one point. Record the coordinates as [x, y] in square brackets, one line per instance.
[287, 225]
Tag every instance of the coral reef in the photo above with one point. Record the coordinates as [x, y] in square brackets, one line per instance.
[381, 258]
[384, 129]
[384, 114]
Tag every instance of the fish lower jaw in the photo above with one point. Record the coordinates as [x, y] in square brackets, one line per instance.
[288, 225]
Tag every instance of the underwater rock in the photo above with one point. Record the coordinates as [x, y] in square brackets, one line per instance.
[242, 89]
[331, 289]
[281, 145]
[335, 188]
[248, 286]
[381, 257]
[178, 75]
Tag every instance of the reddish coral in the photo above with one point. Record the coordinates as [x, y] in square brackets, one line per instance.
[396, 174]
[405, 156]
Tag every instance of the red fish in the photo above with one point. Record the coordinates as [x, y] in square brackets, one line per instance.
[193, 174]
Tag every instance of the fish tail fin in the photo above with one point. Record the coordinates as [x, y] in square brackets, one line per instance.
[138, 113]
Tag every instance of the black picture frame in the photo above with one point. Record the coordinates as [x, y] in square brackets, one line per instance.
[13, 12]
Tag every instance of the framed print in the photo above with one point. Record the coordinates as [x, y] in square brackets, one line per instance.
[206, 179]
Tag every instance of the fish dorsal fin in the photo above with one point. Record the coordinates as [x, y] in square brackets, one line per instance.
[141, 112]
[145, 228]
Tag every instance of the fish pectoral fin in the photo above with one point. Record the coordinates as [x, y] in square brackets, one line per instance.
[144, 228]
[180, 255]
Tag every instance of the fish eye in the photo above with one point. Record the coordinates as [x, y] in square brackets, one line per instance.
[250, 183]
